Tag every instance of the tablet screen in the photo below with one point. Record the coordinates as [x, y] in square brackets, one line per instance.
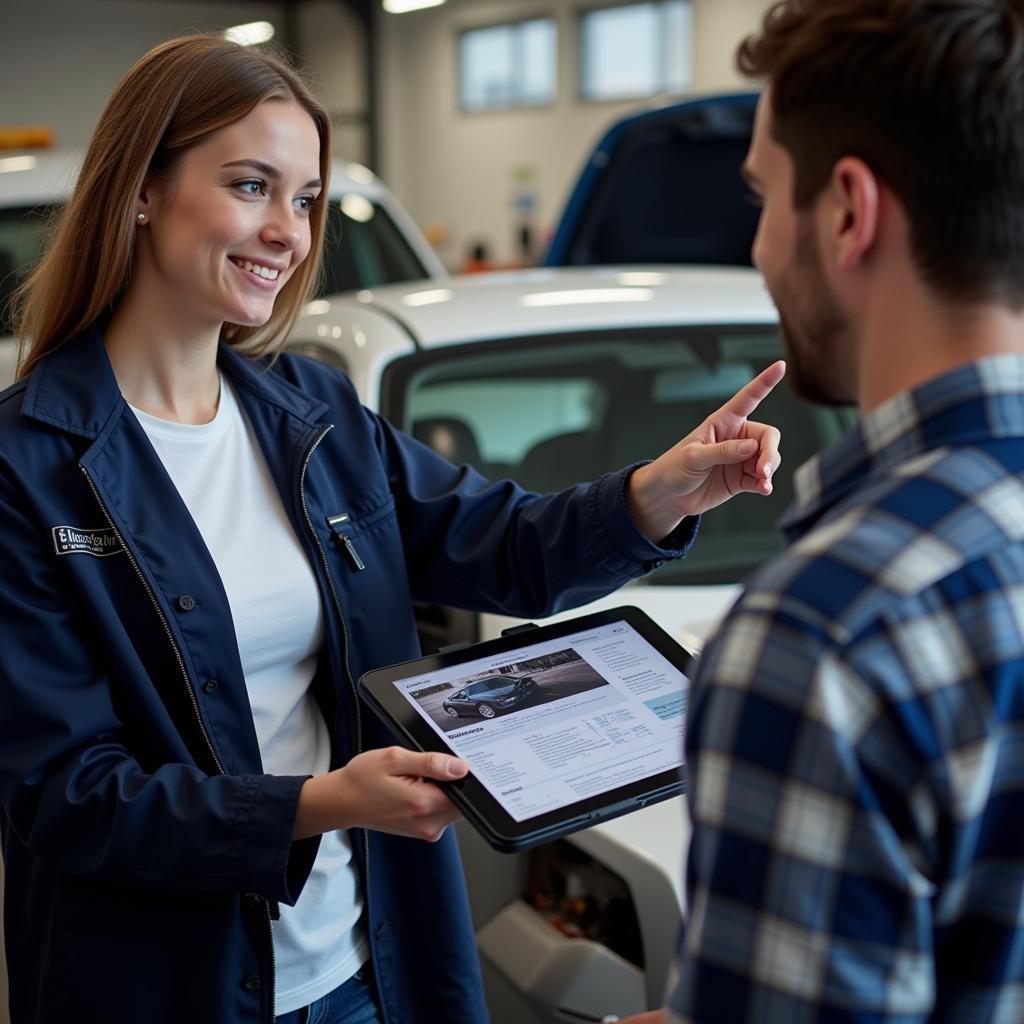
[549, 724]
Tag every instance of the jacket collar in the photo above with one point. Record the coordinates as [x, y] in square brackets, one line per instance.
[74, 387]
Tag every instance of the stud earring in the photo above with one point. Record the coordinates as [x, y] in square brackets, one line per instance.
[140, 217]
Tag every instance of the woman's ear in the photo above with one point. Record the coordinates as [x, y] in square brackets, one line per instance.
[855, 212]
[144, 203]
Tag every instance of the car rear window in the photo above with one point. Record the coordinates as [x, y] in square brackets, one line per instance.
[365, 249]
[554, 411]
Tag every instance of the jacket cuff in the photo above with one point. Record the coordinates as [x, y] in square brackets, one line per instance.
[275, 865]
[609, 496]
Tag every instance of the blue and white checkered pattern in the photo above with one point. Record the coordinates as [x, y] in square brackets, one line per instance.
[856, 738]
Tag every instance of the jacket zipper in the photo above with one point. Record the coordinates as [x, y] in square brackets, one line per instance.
[273, 960]
[344, 633]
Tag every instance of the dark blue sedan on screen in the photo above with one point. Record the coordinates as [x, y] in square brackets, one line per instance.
[490, 696]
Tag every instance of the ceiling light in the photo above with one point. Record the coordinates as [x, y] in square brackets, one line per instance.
[587, 296]
[404, 6]
[250, 34]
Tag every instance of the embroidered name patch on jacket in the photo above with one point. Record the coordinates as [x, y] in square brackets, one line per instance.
[70, 540]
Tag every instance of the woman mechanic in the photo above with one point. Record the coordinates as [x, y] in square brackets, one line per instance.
[199, 823]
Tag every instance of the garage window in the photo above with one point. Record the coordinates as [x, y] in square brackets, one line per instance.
[508, 65]
[635, 50]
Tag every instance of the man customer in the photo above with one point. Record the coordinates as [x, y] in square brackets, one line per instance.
[856, 736]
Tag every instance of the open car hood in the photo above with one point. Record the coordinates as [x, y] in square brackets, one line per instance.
[663, 186]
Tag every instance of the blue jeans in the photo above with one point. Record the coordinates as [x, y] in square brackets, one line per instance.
[354, 1002]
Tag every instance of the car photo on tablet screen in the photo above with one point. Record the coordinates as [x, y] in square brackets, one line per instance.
[490, 696]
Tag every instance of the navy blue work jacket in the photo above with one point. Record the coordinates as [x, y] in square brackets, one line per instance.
[145, 849]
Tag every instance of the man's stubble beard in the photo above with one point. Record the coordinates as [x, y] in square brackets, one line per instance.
[816, 334]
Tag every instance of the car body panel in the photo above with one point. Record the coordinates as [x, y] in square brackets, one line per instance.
[477, 307]
[663, 186]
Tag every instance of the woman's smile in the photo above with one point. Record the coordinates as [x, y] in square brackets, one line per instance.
[263, 273]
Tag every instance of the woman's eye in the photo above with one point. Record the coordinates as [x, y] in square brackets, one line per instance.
[306, 202]
[252, 188]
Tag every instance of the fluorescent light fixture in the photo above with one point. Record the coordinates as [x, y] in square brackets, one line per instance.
[427, 298]
[357, 207]
[317, 307]
[404, 6]
[642, 277]
[587, 297]
[17, 163]
[252, 33]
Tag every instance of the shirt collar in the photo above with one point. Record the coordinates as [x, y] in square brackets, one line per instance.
[978, 401]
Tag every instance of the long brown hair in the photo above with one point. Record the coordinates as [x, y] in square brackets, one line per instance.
[171, 99]
[930, 94]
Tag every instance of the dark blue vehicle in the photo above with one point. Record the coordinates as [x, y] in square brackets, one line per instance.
[664, 186]
[490, 696]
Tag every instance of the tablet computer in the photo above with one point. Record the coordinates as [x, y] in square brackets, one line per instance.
[563, 725]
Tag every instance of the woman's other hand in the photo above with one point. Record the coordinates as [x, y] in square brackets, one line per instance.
[726, 455]
[388, 790]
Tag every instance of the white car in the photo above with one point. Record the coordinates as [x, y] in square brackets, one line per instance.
[558, 375]
[371, 239]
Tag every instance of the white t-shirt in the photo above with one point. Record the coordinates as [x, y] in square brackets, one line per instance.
[223, 479]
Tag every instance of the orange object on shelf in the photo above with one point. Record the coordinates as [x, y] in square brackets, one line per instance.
[28, 136]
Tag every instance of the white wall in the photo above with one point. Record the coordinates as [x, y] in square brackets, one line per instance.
[332, 46]
[457, 170]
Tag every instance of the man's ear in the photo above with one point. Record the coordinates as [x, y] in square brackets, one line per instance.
[854, 212]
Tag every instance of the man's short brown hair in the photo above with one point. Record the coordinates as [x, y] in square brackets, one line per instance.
[930, 94]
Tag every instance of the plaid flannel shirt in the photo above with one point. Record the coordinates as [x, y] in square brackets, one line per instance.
[855, 747]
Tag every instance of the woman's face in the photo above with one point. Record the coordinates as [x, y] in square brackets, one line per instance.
[231, 227]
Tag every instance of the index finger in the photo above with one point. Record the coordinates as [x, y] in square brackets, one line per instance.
[754, 392]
